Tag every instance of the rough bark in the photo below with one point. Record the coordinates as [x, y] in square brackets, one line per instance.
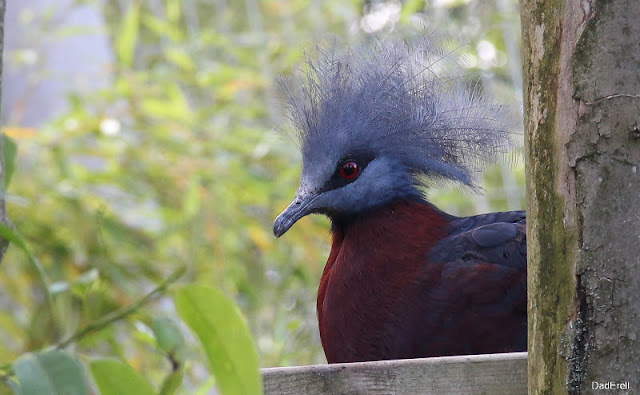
[4, 218]
[582, 104]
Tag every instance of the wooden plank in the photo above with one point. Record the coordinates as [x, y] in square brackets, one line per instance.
[469, 374]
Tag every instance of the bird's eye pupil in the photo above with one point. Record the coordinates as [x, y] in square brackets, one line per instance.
[349, 170]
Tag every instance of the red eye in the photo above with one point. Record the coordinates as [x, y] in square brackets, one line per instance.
[349, 170]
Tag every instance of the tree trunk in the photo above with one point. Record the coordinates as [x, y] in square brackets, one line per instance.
[582, 125]
[4, 219]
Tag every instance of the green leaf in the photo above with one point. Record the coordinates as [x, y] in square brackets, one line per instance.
[9, 150]
[11, 235]
[173, 10]
[14, 237]
[169, 337]
[180, 58]
[51, 372]
[409, 8]
[171, 383]
[113, 377]
[173, 105]
[192, 199]
[163, 28]
[224, 334]
[125, 43]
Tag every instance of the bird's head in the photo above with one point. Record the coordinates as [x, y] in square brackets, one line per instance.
[372, 121]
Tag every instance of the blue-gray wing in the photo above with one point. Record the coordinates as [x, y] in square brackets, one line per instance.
[496, 238]
[473, 297]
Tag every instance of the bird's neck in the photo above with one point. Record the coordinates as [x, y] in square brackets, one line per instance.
[372, 255]
[390, 221]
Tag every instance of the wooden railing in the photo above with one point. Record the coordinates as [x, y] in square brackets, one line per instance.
[472, 374]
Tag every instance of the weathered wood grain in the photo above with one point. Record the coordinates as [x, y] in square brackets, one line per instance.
[472, 374]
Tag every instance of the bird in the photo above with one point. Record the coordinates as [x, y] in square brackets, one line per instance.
[379, 123]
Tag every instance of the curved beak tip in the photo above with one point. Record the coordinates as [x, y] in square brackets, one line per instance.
[278, 229]
[299, 207]
[283, 222]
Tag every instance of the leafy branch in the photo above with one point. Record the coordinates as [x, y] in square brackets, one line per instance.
[123, 312]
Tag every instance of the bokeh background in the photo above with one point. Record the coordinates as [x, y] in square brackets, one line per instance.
[149, 136]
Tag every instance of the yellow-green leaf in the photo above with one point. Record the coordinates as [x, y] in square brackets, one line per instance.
[113, 377]
[409, 8]
[125, 44]
[172, 382]
[225, 337]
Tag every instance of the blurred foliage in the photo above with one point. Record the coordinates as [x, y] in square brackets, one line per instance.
[178, 161]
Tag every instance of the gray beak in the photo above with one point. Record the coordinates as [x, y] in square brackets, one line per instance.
[301, 205]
